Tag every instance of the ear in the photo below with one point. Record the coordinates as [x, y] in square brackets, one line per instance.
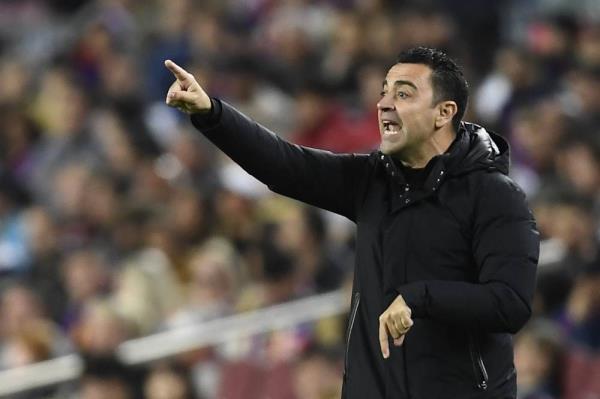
[445, 112]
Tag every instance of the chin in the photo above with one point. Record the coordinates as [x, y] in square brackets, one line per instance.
[389, 149]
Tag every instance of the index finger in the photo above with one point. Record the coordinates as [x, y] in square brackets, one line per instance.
[383, 340]
[180, 73]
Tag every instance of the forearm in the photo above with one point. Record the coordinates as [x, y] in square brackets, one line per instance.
[505, 248]
[257, 150]
[493, 306]
[320, 178]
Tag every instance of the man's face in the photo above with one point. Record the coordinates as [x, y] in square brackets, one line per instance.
[406, 111]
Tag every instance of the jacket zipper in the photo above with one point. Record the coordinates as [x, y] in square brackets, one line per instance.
[355, 302]
[481, 375]
[404, 345]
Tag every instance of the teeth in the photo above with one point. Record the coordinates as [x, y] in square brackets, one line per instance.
[390, 127]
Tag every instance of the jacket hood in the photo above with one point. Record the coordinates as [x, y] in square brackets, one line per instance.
[475, 148]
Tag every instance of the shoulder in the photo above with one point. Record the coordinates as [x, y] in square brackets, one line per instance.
[364, 165]
[484, 195]
[499, 197]
[496, 186]
[481, 185]
[355, 165]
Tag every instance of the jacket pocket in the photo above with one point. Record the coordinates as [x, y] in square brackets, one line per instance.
[479, 370]
[354, 310]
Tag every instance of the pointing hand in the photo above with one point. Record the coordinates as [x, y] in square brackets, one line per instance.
[394, 322]
[185, 93]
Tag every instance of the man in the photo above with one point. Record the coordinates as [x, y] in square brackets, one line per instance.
[446, 246]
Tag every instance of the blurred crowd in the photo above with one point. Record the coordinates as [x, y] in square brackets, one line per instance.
[118, 220]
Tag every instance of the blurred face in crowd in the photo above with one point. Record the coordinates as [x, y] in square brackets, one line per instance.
[586, 88]
[18, 306]
[212, 277]
[533, 361]
[30, 343]
[108, 388]
[311, 110]
[84, 275]
[41, 231]
[101, 330]
[580, 167]
[165, 384]
[316, 378]
[408, 115]
[573, 226]
[538, 129]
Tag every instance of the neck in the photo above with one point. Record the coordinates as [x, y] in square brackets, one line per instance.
[419, 156]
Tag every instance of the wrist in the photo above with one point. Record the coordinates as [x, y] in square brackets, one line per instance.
[210, 117]
[206, 107]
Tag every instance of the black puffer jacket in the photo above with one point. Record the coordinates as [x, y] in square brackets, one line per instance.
[462, 251]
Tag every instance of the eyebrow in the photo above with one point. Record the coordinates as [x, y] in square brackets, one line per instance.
[402, 82]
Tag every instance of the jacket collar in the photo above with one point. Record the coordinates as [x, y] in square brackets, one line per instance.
[473, 148]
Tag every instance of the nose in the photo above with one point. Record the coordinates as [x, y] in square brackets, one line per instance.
[385, 103]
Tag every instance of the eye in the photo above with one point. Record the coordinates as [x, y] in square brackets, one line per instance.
[382, 93]
[401, 94]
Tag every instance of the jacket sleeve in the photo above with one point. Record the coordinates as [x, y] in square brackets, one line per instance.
[320, 178]
[505, 247]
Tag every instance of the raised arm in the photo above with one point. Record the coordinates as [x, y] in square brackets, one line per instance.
[320, 178]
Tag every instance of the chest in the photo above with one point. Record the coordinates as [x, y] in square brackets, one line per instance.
[409, 237]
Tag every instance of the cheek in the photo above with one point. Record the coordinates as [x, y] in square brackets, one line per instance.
[417, 120]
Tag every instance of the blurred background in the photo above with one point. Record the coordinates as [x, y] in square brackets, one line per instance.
[118, 221]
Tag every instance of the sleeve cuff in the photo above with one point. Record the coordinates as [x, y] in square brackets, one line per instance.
[415, 295]
[207, 120]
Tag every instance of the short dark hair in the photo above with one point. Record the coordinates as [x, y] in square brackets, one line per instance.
[447, 78]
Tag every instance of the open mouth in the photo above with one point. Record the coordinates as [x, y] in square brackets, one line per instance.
[390, 127]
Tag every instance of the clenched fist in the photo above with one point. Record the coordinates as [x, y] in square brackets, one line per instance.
[394, 322]
[185, 93]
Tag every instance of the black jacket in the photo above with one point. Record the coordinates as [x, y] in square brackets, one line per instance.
[462, 251]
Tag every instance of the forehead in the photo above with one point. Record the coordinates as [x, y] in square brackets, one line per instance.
[419, 74]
